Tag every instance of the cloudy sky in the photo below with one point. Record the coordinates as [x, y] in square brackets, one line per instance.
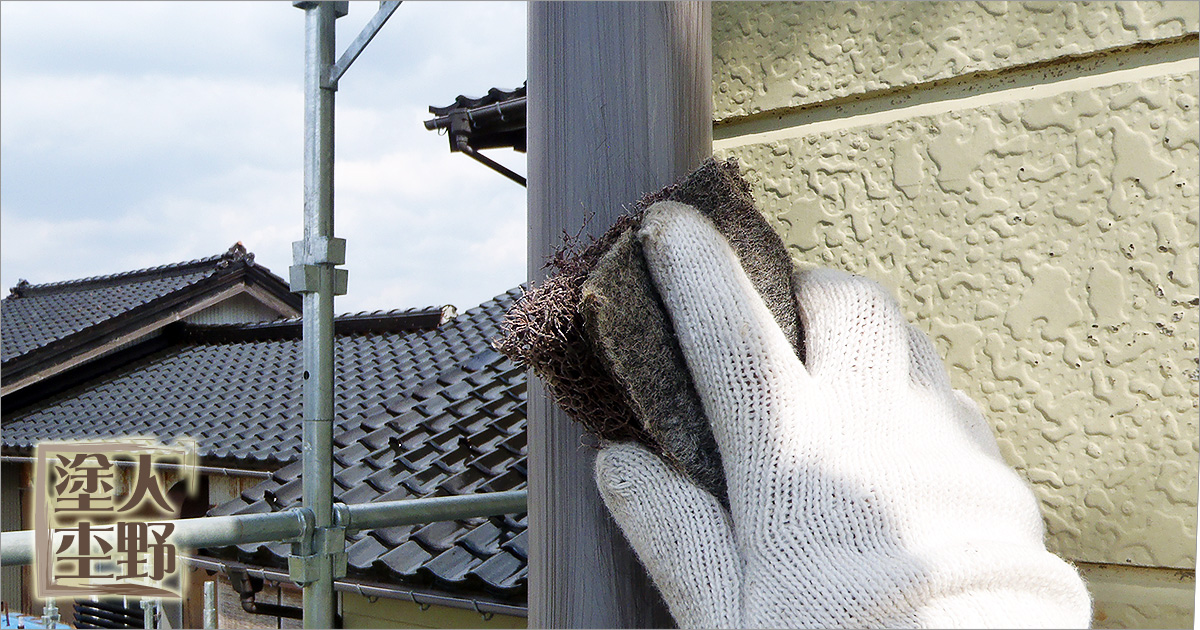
[136, 134]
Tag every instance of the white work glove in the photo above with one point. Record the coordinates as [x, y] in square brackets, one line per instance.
[864, 491]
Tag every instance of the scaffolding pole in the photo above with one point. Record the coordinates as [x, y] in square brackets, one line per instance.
[17, 547]
[318, 559]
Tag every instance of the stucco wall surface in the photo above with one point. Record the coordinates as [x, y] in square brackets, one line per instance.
[1046, 247]
[768, 56]
[1041, 226]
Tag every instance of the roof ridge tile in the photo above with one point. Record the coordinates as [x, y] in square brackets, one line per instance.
[236, 253]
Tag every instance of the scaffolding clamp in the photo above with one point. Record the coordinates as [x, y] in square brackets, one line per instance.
[302, 566]
[326, 542]
[309, 255]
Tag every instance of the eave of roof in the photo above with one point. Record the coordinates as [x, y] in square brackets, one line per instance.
[496, 120]
[241, 398]
[200, 284]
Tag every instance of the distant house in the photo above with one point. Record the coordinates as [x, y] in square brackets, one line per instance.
[51, 328]
[424, 407]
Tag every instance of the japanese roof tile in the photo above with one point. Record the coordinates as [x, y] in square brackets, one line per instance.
[517, 546]
[352, 476]
[494, 463]
[483, 541]
[438, 536]
[451, 566]
[423, 481]
[361, 493]
[465, 482]
[395, 536]
[398, 493]
[405, 559]
[352, 454]
[501, 571]
[363, 553]
[465, 436]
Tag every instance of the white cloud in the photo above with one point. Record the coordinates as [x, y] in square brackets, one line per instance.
[136, 134]
[125, 117]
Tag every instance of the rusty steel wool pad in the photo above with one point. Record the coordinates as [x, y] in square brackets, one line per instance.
[597, 333]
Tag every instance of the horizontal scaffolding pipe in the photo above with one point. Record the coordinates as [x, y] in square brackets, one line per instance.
[192, 533]
[16, 547]
[413, 511]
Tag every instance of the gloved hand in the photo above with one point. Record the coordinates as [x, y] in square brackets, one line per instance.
[864, 491]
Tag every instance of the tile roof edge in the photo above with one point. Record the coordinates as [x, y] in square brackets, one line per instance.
[66, 347]
[235, 254]
[376, 322]
[494, 95]
[370, 588]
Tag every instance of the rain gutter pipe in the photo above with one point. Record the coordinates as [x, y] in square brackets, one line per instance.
[203, 470]
[420, 598]
[248, 587]
[484, 114]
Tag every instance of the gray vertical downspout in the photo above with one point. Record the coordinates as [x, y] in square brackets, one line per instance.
[619, 105]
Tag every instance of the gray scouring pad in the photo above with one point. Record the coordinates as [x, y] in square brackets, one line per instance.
[598, 335]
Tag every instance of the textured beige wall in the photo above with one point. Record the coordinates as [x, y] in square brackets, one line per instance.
[1040, 223]
[768, 56]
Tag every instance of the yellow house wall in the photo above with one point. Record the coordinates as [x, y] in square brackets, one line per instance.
[1024, 176]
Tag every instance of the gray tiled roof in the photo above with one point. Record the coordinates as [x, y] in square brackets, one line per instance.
[241, 400]
[421, 410]
[459, 432]
[34, 315]
[460, 429]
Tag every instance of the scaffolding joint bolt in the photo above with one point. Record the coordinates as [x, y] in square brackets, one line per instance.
[319, 250]
[306, 279]
[303, 569]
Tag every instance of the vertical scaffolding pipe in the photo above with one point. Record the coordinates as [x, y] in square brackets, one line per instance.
[317, 327]
[210, 605]
[620, 104]
[149, 612]
[50, 615]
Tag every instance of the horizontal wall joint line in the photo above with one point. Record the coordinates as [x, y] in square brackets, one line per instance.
[1042, 80]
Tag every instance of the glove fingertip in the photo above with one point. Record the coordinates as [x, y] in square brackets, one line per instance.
[626, 467]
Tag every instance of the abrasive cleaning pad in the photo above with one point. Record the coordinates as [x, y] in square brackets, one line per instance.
[596, 332]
